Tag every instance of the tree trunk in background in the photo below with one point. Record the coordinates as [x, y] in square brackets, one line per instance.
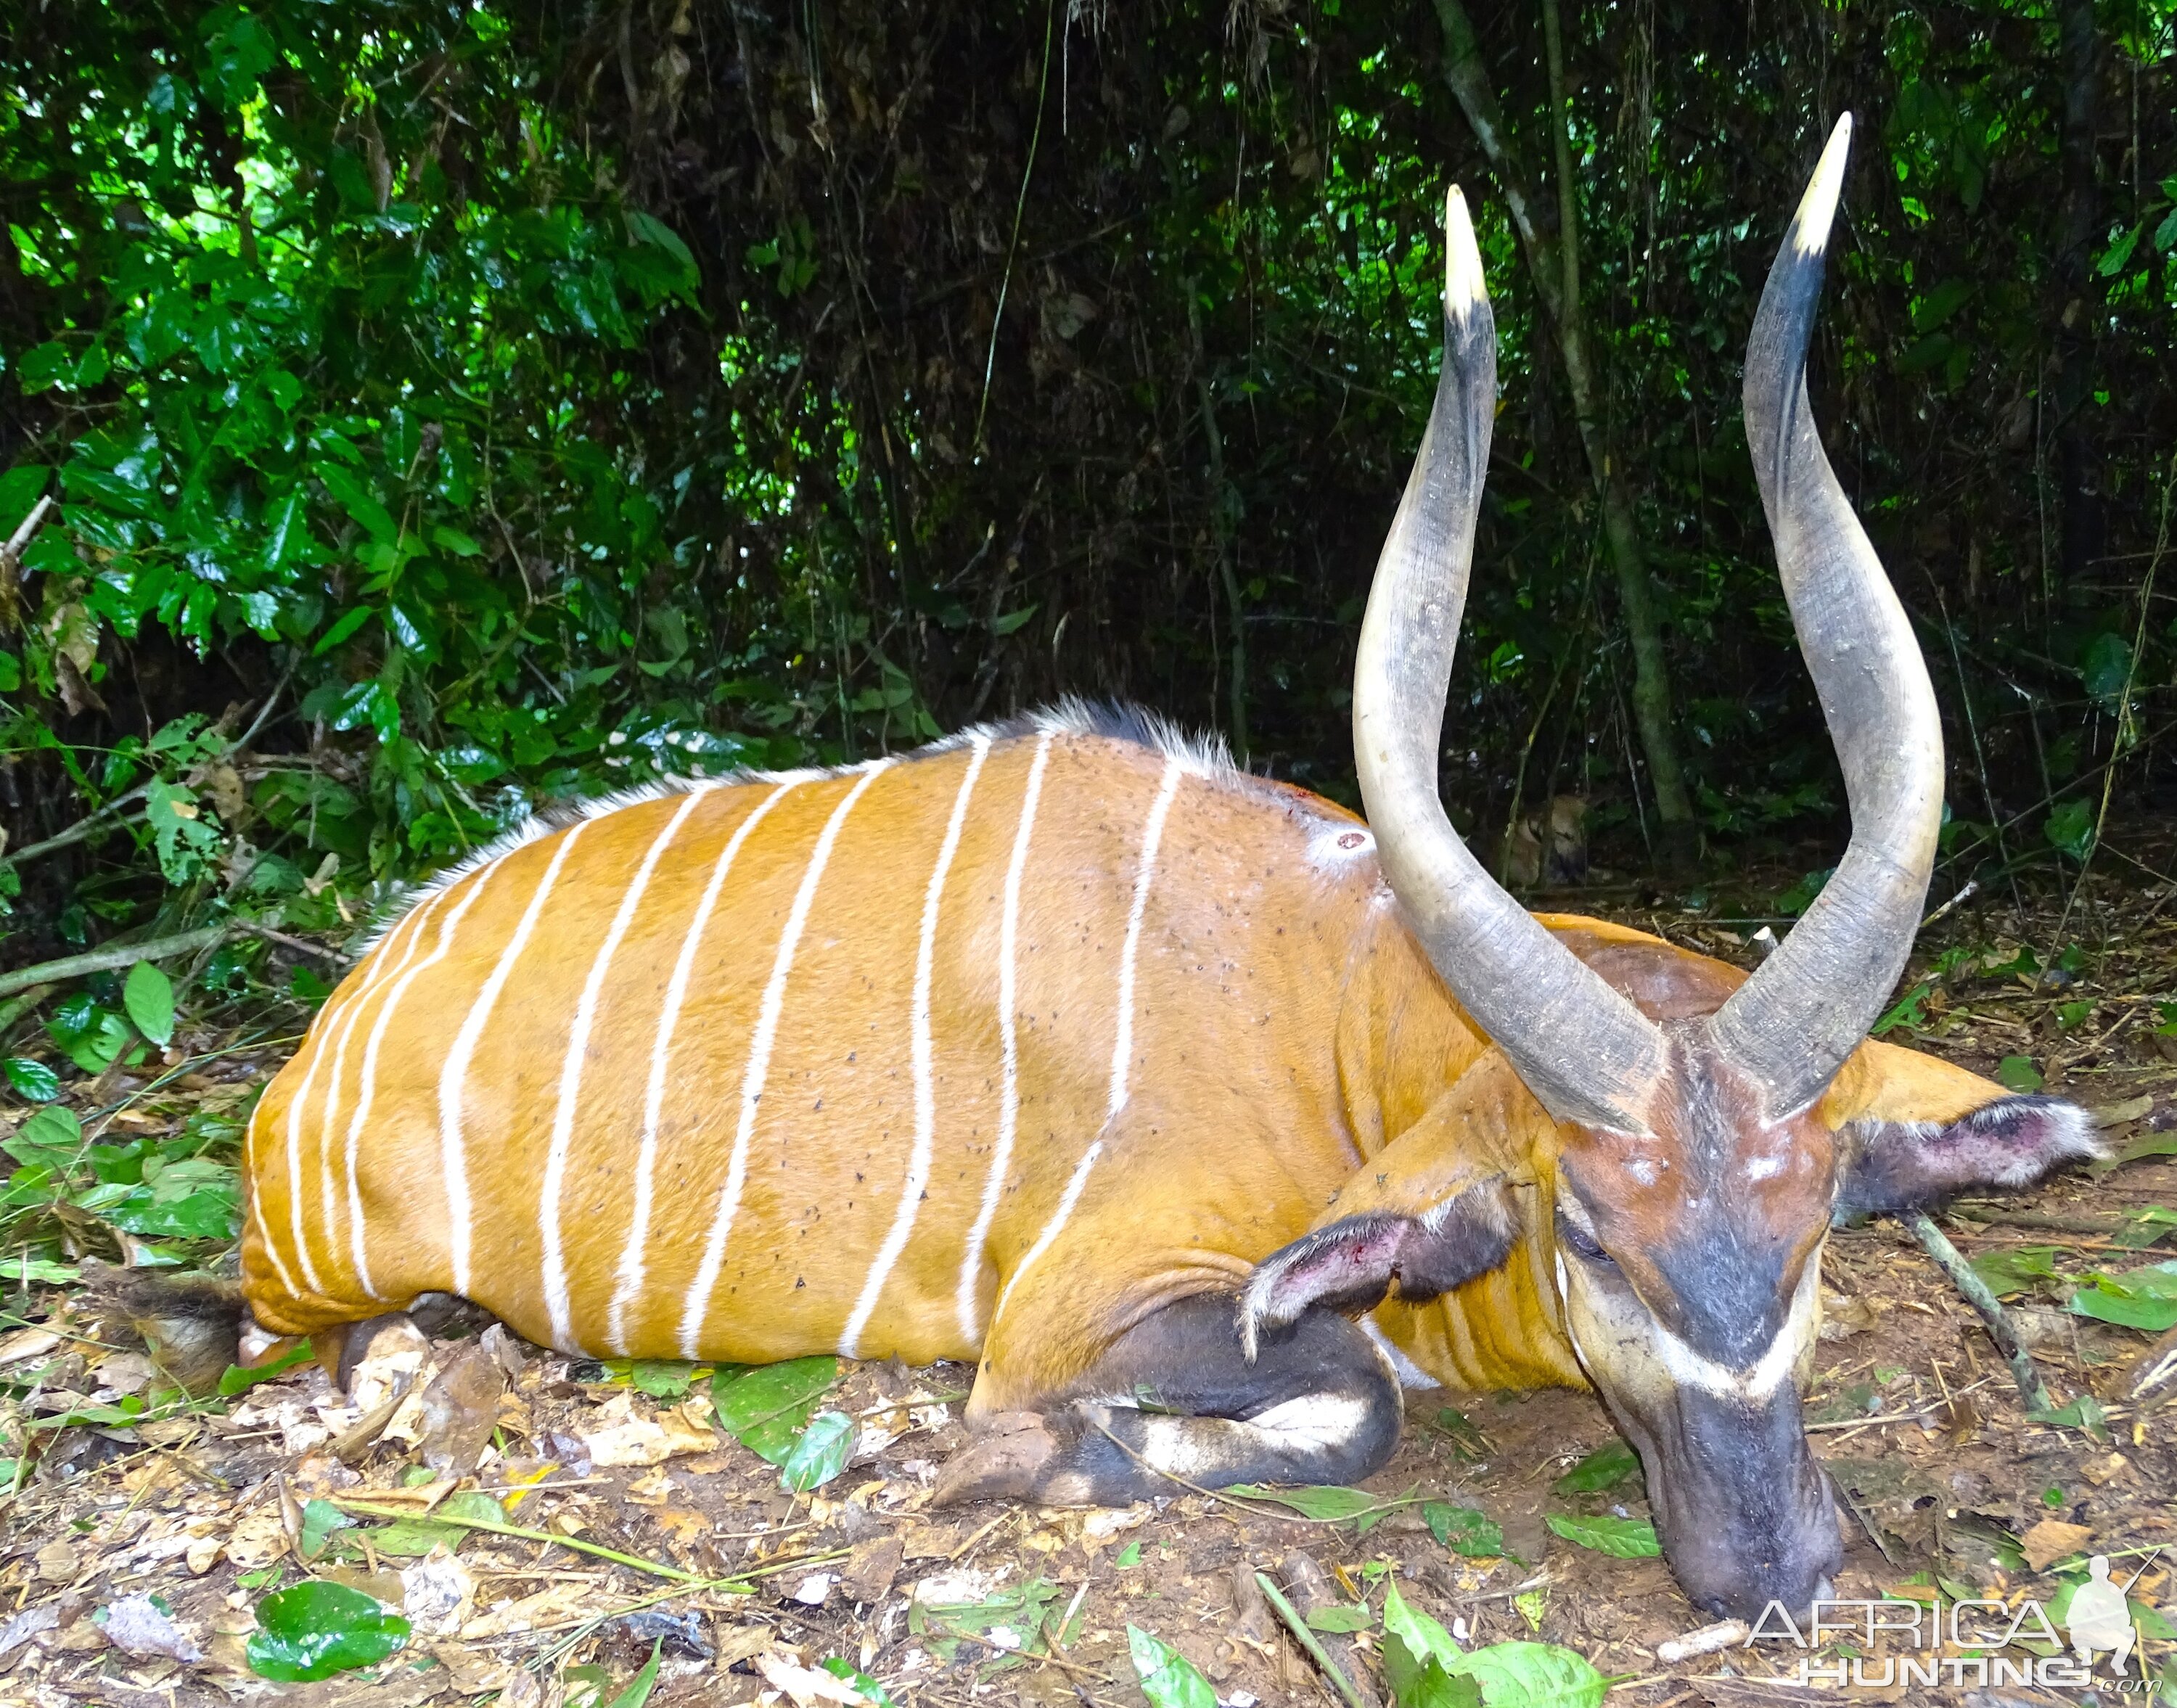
[2077, 472]
[1554, 267]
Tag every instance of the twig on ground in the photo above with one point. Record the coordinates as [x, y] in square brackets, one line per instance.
[2000, 1328]
[636, 1562]
[1291, 1618]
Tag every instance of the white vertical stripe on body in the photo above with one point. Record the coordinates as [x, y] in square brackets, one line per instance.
[280, 1270]
[1123, 1044]
[925, 1092]
[971, 1261]
[453, 1156]
[758, 1064]
[633, 1254]
[445, 942]
[375, 977]
[329, 1122]
[556, 1303]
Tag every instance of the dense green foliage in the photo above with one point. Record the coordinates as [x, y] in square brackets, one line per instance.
[479, 406]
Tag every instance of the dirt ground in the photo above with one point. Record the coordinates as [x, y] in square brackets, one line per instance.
[743, 1589]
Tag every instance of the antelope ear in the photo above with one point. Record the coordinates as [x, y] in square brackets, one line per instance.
[1892, 1167]
[1351, 1265]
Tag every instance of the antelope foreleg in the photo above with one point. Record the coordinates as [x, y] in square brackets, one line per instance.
[1174, 1402]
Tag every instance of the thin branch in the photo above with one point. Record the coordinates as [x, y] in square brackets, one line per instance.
[1020, 207]
[2000, 1328]
[113, 958]
[1307, 1639]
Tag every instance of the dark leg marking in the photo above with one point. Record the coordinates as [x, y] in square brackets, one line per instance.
[1177, 1395]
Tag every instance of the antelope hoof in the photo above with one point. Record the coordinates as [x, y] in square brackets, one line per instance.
[1007, 1459]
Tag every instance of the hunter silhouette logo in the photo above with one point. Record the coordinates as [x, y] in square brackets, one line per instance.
[2098, 1619]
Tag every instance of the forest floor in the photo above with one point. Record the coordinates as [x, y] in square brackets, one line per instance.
[137, 1554]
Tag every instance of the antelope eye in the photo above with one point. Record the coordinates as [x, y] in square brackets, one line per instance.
[1578, 1240]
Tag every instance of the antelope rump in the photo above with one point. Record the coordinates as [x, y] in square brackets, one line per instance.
[1200, 1114]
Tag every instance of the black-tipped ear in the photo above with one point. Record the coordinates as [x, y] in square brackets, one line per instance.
[1896, 1166]
[1351, 1266]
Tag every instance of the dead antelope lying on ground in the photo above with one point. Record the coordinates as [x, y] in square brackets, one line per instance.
[1065, 1047]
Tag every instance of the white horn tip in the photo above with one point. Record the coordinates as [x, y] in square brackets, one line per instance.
[1464, 286]
[1810, 229]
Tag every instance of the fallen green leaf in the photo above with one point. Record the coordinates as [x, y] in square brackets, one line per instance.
[766, 1408]
[2145, 1299]
[412, 1538]
[1168, 1679]
[1622, 1538]
[1606, 1467]
[1531, 1675]
[320, 1519]
[1416, 1653]
[860, 1683]
[821, 1452]
[1341, 1617]
[2019, 1073]
[318, 1628]
[238, 1380]
[1464, 1529]
[2011, 1272]
[1326, 1502]
[638, 1692]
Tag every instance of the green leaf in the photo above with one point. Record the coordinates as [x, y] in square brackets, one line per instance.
[1329, 1503]
[2014, 1271]
[2070, 829]
[1007, 622]
[2145, 1299]
[1422, 1634]
[1464, 1529]
[149, 998]
[662, 1378]
[353, 493]
[1416, 1651]
[2084, 1413]
[237, 1380]
[1168, 1679]
[2019, 1073]
[1341, 1619]
[1532, 1675]
[349, 622]
[864, 1685]
[317, 1629]
[320, 1519]
[1622, 1538]
[32, 1079]
[766, 1409]
[1129, 1555]
[51, 1135]
[820, 1454]
[411, 1538]
[646, 1681]
[1608, 1467]
[2120, 253]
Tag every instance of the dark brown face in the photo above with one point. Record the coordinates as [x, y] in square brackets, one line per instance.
[1690, 1263]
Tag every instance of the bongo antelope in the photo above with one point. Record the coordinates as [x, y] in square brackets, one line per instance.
[1200, 1114]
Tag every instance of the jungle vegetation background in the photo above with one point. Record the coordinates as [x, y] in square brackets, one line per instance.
[449, 408]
